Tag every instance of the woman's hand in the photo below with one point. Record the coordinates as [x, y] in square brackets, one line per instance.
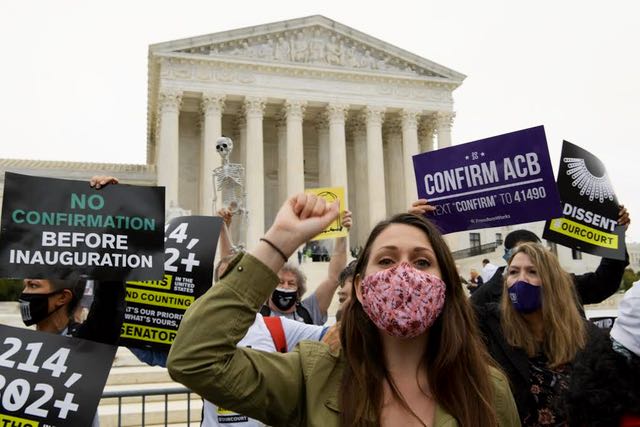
[226, 216]
[347, 220]
[623, 217]
[99, 181]
[421, 207]
[301, 217]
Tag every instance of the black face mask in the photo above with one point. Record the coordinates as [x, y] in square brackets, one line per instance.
[284, 299]
[35, 307]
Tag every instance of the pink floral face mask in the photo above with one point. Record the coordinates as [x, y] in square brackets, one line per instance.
[402, 300]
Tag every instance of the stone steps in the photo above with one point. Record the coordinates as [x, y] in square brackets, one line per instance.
[133, 375]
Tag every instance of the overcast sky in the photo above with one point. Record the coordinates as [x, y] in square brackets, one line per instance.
[74, 73]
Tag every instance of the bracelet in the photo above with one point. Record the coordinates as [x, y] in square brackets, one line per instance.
[277, 249]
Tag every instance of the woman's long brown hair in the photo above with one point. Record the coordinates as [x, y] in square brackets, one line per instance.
[456, 360]
[564, 328]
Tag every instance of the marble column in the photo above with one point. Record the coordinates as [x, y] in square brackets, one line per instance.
[375, 164]
[324, 160]
[445, 121]
[294, 112]
[239, 140]
[394, 174]
[168, 149]
[409, 149]
[238, 236]
[212, 107]
[281, 131]
[426, 132]
[360, 212]
[336, 115]
[254, 164]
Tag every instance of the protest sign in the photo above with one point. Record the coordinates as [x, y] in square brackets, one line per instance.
[503, 180]
[63, 229]
[589, 221]
[331, 194]
[50, 380]
[155, 308]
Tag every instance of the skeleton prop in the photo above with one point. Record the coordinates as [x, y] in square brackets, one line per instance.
[228, 179]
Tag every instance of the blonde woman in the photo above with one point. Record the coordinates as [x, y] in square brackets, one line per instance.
[536, 332]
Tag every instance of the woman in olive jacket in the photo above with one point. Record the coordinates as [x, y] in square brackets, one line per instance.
[431, 370]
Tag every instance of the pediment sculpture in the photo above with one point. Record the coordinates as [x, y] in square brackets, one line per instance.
[314, 46]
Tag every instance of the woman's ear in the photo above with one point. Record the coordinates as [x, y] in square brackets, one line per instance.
[357, 287]
[63, 298]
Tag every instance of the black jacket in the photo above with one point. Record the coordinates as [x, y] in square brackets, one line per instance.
[604, 386]
[592, 288]
[514, 361]
[104, 322]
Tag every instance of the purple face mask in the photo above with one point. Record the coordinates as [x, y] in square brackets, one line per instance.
[525, 297]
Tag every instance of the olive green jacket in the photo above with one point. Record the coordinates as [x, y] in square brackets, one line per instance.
[298, 388]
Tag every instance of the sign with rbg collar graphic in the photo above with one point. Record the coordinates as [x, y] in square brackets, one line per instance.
[50, 380]
[589, 221]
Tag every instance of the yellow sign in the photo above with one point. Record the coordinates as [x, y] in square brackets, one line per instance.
[162, 284]
[331, 194]
[582, 232]
[160, 299]
[6, 420]
[147, 333]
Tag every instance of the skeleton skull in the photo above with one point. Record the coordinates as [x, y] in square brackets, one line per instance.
[224, 147]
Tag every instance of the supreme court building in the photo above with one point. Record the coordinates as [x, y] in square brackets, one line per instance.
[309, 103]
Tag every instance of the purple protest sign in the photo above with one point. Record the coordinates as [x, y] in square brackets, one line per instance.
[502, 180]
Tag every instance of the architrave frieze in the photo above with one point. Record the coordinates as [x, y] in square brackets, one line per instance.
[256, 80]
[181, 66]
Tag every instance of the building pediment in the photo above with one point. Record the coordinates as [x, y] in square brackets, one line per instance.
[314, 41]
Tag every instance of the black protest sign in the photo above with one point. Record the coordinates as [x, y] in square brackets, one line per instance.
[63, 229]
[50, 380]
[155, 308]
[589, 206]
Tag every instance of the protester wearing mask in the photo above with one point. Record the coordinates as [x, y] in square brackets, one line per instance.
[536, 333]
[286, 300]
[592, 288]
[50, 304]
[404, 361]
